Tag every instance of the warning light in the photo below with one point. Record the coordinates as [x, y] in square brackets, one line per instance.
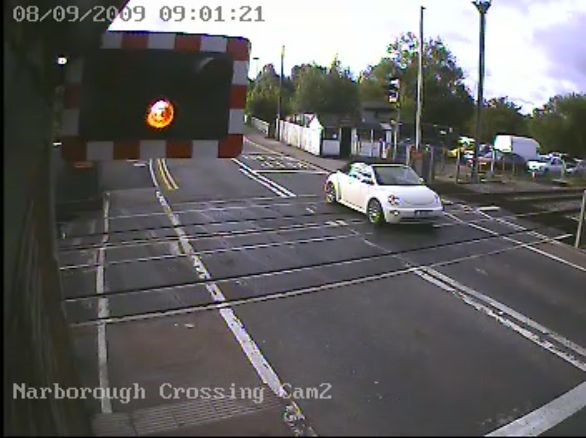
[160, 114]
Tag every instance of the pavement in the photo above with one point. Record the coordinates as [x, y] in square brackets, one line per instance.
[229, 299]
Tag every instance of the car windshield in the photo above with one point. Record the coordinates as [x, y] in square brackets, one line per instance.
[396, 176]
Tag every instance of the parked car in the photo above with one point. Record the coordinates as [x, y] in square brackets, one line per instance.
[546, 165]
[508, 161]
[579, 170]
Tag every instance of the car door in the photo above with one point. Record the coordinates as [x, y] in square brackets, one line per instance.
[351, 185]
[364, 188]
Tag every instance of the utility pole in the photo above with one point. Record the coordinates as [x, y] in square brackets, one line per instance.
[482, 6]
[280, 102]
[419, 84]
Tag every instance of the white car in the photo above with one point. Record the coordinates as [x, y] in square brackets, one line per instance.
[390, 193]
[546, 165]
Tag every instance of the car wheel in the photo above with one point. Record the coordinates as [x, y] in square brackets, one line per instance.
[375, 212]
[331, 196]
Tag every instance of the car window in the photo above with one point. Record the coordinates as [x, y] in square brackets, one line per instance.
[355, 170]
[396, 175]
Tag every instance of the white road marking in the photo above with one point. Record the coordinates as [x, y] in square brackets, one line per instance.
[531, 248]
[248, 345]
[103, 312]
[315, 172]
[489, 208]
[484, 303]
[253, 174]
[273, 152]
[152, 172]
[553, 413]
[264, 183]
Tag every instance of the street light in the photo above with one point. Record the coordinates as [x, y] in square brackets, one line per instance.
[482, 6]
[255, 59]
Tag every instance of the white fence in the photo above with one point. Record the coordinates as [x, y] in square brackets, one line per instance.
[304, 138]
[261, 125]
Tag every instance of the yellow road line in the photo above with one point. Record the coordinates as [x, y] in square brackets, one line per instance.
[163, 174]
[169, 176]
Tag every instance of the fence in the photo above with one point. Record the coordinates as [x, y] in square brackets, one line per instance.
[301, 137]
[262, 126]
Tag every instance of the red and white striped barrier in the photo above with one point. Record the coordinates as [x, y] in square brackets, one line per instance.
[75, 148]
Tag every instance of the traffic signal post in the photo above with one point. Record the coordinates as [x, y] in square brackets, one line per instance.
[393, 90]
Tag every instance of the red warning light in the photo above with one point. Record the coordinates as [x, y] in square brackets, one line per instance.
[160, 114]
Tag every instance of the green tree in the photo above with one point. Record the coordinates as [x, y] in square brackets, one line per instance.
[263, 95]
[560, 124]
[500, 116]
[446, 100]
[325, 90]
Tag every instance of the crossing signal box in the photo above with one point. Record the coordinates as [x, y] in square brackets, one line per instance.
[393, 86]
[149, 95]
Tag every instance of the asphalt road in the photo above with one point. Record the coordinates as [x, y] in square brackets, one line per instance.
[235, 276]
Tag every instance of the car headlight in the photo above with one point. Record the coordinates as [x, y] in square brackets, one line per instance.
[437, 199]
[394, 200]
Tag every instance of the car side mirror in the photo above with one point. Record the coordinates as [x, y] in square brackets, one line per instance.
[421, 181]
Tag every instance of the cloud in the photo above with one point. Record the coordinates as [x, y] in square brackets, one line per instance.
[565, 50]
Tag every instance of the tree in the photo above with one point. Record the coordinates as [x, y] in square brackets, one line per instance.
[446, 100]
[263, 95]
[560, 124]
[500, 116]
[325, 90]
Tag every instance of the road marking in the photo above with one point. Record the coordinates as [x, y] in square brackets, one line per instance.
[152, 172]
[489, 208]
[531, 248]
[103, 312]
[164, 175]
[269, 184]
[483, 303]
[248, 345]
[263, 183]
[169, 175]
[553, 413]
[273, 152]
[315, 172]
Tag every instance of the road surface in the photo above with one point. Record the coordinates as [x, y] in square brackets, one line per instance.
[234, 278]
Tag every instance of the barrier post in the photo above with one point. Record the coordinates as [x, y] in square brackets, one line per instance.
[581, 221]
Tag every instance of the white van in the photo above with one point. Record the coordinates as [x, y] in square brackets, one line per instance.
[525, 147]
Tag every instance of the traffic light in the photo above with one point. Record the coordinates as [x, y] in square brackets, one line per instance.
[393, 85]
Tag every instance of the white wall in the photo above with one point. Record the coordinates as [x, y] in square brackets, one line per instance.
[331, 148]
[307, 139]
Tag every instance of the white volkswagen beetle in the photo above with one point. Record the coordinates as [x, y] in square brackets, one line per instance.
[385, 192]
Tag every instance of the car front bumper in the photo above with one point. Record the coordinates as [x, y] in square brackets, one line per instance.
[394, 215]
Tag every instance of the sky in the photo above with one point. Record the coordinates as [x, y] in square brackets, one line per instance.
[535, 49]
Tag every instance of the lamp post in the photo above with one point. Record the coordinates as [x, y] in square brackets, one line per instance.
[255, 60]
[280, 99]
[482, 6]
